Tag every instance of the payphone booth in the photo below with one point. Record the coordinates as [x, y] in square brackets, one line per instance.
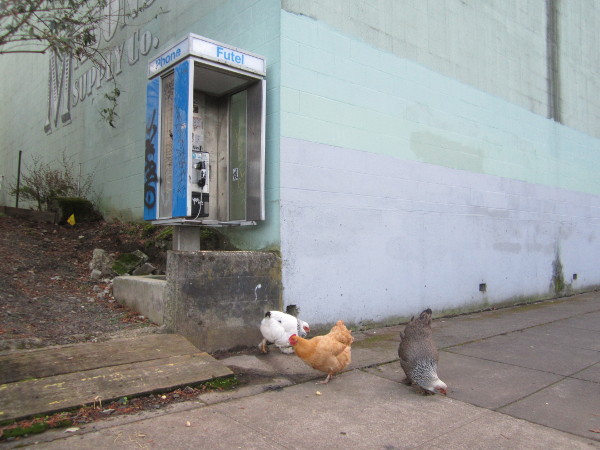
[205, 135]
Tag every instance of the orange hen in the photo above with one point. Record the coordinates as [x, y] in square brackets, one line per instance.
[329, 353]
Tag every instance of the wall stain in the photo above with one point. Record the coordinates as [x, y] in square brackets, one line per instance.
[435, 149]
[558, 277]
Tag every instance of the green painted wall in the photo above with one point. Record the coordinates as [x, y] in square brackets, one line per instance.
[340, 90]
[115, 156]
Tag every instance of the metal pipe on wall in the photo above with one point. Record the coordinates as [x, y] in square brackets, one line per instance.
[18, 178]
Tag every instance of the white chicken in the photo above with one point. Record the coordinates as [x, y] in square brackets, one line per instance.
[277, 327]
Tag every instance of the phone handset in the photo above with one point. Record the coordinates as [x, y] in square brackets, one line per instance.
[201, 178]
[201, 167]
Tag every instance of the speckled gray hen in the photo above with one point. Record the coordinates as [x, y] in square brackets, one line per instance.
[419, 355]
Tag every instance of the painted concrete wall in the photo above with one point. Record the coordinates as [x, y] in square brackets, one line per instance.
[579, 64]
[115, 156]
[372, 237]
[402, 187]
[217, 299]
[497, 46]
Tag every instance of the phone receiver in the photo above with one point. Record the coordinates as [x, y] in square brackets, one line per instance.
[202, 179]
[201, 166]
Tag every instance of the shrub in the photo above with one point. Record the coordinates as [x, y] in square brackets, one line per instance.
[43, 183]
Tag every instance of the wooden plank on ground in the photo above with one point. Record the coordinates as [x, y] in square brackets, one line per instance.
[77, 357]
[29, 397]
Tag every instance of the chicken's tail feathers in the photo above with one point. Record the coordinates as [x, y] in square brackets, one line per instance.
[293, 310]
[268, 314]
[342, 333]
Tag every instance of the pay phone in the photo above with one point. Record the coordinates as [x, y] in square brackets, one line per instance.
[200, 165]
[205, 135]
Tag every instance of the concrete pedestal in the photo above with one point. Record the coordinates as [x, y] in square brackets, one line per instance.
[217, 299]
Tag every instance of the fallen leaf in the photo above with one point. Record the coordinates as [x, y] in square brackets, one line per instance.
[188, 424]
[71, 430]
[318, 392]
[595, 431]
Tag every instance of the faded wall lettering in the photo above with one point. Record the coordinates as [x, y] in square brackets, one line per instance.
[71, 81]
[59, 88]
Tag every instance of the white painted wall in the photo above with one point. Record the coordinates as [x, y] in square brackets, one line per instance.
[369, 237]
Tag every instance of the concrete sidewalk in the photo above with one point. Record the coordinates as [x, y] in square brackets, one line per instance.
[524, 377]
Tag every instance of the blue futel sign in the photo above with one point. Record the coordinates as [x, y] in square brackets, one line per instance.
[230, 55]
[205, 48]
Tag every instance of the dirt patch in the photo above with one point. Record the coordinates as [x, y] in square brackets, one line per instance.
[47, 296]
[103, 410]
